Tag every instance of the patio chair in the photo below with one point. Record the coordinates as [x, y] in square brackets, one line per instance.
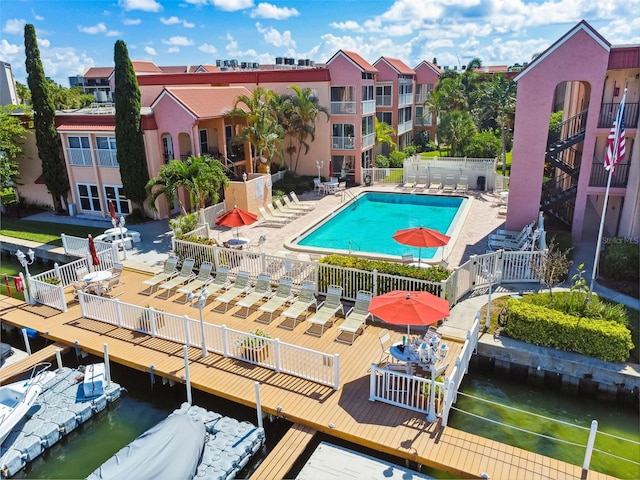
[272, 219]
[423, 180]
[449, 184]
[186, 274]
[463, 184]
[505, 238]
[317, 185]
[436, 183]
[326, 311]
[384, 337]
[262, 291]
[292, 204]
[203, 279]
[355, 319]
[300, 305]
[279, 213]
[240, 287]
[286, 209]
[109, 288]
[410, 181]
[220, 281]
[169, 271]
[297, 201]
[282, 296]
[258, 243]
[79, 284]
[117, 269]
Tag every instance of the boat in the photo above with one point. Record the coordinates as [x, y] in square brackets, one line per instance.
[17, 398]
[171, 449]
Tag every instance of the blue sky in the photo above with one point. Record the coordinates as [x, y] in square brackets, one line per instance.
[74, 35]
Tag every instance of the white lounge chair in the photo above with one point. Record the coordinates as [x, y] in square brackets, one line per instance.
[505, 239]
[271, 219]
[355, 319]
[300, 305]
[279, 213]
[282, 296]
[423, 180]
[203, 279]
[169, 271]
[436, 183]
[239, 288]
[449, 184]
[326, 311]
[287, 209]
[410, 181]
[186, 274]
[463, 184]
[262, 291]
[298, 206]
[297, 201]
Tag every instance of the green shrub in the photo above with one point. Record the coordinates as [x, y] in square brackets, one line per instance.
[381, 161]
[184, 224]
[396, 159]
[536, 324]
[576, 304]
[292, 182]
[431, 274]
[621, 260]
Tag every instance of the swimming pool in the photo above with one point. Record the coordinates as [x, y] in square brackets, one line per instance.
[365, 226]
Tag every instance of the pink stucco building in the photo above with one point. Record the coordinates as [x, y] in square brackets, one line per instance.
[581, 78]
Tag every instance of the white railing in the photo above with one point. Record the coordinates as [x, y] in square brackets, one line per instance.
[412, 392]
[79, 157]
[79, 246]
[405, 127]
[368, 140]
[343, 143]
[383, 175]
[200, 231]
[368, 107]
[47, 293]
[271, 353]
[405, 99]
[107, 158]
[343, 108]
[208, 215]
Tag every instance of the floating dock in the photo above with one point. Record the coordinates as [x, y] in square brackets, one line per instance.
[61, 408]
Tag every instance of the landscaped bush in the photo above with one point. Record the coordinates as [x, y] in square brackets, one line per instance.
[432, 274]
[574, 303]
[291, 182]
[609, 341]
[621, 260]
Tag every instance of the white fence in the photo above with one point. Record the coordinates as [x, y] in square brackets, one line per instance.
[79, 247]
[412, 392]
[319, 367]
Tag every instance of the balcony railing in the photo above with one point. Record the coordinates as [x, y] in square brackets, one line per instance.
[608, 114]
[107, 158]
[383, 101]
[368, 107]
[405, 99]
[420, 98]
[343, 108]
[343, 143]
[368, 140]
[599, 175]
[79, 157]
[404, 127]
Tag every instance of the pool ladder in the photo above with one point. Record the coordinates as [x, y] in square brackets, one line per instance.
[351, 243]
[346, 194]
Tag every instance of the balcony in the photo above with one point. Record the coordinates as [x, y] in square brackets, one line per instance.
[343, 108]
[608, 113]
[368, 140]
[343, 143]
[79, 157]
[405, 99]
[420, 98]
[599, 175]
[404, 127]
[107, 158]
[368, 107]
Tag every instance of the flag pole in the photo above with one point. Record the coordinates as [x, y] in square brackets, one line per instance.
[614, 160]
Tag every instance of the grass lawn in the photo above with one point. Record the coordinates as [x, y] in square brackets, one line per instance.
[11, 268]
[47, 233]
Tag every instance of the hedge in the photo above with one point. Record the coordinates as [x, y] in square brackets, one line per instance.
[543, 326]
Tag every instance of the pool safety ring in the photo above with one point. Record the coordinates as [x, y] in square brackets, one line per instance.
[367, 180]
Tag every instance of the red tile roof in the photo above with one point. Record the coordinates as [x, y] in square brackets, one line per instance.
[361, 62]
[86, 127]
[401, 67]
[145, 66]
[624, 57]
[207, 102]
[98, 72]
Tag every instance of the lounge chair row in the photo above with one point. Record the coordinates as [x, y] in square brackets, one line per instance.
[284, 210]
[435, 184]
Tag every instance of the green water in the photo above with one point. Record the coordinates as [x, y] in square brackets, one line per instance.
[613, 419]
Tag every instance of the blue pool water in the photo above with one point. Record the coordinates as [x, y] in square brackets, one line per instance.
[368, 224]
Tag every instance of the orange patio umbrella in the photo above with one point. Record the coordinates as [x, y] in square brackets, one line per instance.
[421, 237]
[236, 217]
[93, 252]
[402, 307]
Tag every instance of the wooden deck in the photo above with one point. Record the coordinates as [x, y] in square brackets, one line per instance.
[13, 372]
[346, 413]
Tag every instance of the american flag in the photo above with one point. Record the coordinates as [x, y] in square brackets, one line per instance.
[616, 139]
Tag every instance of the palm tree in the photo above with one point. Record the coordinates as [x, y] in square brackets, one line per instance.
[455, 129]
[203, 177]
[261, 128]
[499, 97]
[304, 110]
[454, 93]
[384, 134]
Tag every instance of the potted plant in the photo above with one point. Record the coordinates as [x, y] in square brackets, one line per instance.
[52, 280]
[255, 348]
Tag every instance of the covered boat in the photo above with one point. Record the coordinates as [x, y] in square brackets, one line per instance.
[171, 449]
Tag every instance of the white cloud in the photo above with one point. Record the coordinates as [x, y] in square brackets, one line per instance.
[36, 16]
[15, 26]
[173, 20]
[113, 33]
[173, 50]
[94, 30]
[132, 21]
[178, 41]
[197, 2]
[348, 25]
[232, 5]
[144, 5]
[275, 38]
[206, 48]
[150, 51]
[44, 43]
[267, 10]
[186, 24]
[8, 50]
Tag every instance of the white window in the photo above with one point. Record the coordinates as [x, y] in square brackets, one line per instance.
[385, 117]
[383, 95]
[88, 197]
[106, 143]
[78, 142]
[167, 148]
[115, 194]
[204, 142]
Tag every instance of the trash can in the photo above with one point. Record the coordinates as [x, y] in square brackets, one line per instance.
[482, 180]
[72, 210]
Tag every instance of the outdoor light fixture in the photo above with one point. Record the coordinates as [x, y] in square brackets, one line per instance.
[437, 352]
[244, 176]
[319, 164]
[492, 278]
[25, 261]
[199, 302]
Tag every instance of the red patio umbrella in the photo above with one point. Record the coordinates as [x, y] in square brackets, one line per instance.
[93, 252]
[402, 307]
[112, 211]
[421, 237]
[236, 217]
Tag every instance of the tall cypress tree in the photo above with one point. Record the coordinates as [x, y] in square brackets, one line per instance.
[44, 114]
[129, 140]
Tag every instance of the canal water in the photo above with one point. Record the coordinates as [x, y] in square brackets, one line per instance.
[142, 406]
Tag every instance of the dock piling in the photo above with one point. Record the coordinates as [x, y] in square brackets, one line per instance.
[258, 403]
[59, 359]
[185, 352]
[107, 368]
[25, 336]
